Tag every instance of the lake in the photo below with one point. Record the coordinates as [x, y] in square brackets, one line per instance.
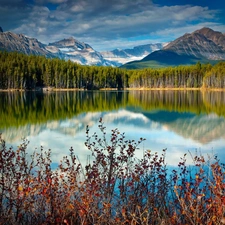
[180, 121]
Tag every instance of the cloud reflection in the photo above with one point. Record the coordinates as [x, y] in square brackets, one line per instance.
[60, 136]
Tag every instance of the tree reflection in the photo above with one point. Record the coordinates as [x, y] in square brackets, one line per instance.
[21, 108]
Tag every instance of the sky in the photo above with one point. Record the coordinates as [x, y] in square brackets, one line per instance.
[111, 24]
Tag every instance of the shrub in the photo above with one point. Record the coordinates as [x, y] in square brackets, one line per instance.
[114, 187]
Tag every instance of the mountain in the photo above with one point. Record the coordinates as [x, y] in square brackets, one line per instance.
[20, 43]
[76, 51]
[72, 49]
[68, 49]
[161, 58]
[204, 45]
[201, 44]
[137, 53]
[215, 36]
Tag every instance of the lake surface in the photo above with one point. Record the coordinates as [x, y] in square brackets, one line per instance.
[181, 121]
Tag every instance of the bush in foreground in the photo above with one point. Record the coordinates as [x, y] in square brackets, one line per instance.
[113, 188]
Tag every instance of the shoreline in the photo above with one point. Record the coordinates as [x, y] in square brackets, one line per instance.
[46, 90]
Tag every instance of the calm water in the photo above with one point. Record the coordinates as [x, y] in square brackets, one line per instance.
[180, 121]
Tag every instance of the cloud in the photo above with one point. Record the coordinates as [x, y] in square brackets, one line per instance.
[12, 2]
[50, 1]
[57, 1]
[104, 21]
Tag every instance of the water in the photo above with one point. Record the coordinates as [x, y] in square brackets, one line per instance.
[181, 121]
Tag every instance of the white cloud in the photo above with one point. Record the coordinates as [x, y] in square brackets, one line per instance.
[77, 8]
[50, 1]
[57, 1]
[110, 22]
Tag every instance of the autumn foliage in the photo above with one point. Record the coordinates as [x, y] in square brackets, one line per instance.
[114, 187]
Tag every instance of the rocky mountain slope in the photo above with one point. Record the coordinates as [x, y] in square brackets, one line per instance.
[215, 36]
[204, 45]
[18, 42]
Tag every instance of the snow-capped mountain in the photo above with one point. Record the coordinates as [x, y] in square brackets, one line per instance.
[76, 51]
[122, 56]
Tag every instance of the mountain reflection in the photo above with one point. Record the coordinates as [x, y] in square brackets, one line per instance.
[177, 120]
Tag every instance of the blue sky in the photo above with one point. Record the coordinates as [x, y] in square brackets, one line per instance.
[110, 24]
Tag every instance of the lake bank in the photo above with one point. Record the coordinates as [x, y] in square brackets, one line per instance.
[114, 89]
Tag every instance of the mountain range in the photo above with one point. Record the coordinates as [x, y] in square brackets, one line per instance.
[72, 49]
[204, 45]
[136, 53]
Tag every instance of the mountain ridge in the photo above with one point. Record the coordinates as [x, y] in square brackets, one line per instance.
[204, 45]
[197, 44]
[72, 49]
[19, 42]
[79, 52]
[215, 36]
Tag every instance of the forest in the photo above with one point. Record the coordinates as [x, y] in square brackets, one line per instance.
[19, 71]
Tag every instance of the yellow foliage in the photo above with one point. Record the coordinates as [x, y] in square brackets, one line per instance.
[20, 188]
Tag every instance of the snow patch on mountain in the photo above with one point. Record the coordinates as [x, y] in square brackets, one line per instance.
[79, 52]
[122, 56]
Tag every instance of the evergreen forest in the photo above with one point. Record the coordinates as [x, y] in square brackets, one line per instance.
[28, 72]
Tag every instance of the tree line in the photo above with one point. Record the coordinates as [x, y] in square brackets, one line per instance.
[19, 71]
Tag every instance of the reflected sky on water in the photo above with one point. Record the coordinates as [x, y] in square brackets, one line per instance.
[182, 122]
